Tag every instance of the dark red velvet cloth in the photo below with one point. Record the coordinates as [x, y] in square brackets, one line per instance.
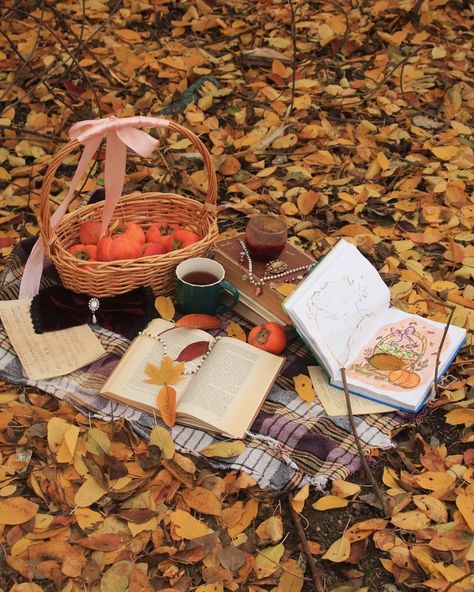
[58, 308]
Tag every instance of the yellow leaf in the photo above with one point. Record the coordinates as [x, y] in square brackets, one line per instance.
[236, 331]
[97, 442]
[304, 387]
[383, 161]
[17, 510]
[215, 587]
[162, 438]
[270, 530]
[57, 426]
[432, 507]
[465, 504]
[166, 403]
[285, 289]
[128, 35]
[267, 561]
[339, 551]
[307, 200]
[224, 449]
[164, 307]
[292, 578]
[244, 520]
[186, 526]
[434, 480]
[285, 141]
[88, 493]
[86, 518]
[299, 499]
[411, 520]
[166, 373]
[266, 172]
[330, 502]
[343, 488]
[202, 500]
[65, 452]
[445, 152]
[460, 416]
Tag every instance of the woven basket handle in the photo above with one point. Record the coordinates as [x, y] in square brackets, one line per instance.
[46, 229]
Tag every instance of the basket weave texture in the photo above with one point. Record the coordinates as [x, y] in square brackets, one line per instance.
[102, 279]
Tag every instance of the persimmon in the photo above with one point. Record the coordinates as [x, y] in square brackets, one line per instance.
[270, 337]
[180, 239]
[131, 231]
[89, 232]
[84, 252]
[113, 248]
[160, 230]
[153, 249]
[404, 378]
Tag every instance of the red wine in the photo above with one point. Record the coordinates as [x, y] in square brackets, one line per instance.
[200, 278]
[265, 252]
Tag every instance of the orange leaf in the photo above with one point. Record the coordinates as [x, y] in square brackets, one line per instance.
[166, 402]
[198, 321]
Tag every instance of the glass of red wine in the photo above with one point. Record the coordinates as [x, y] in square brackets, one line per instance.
[265, 237]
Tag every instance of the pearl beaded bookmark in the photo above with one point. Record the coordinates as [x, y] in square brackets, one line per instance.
[165, 350]
[257, 282]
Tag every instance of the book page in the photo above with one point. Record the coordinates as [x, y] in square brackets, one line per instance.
[46, 355]
[231, 385]
[128, 381]
[337, 304]
[334, 400]
[397, 363]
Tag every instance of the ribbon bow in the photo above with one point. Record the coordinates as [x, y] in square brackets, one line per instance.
[401, 334]
[57, 308]
[118, 133]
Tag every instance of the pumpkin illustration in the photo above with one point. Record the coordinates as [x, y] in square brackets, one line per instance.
[404, 378]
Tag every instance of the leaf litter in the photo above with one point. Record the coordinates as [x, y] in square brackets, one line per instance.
[357, 124]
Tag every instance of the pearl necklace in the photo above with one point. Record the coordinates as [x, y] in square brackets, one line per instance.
[165, 350]
[260, 282]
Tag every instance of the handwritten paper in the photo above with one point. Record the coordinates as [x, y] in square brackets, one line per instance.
[334, 400]
[51, 354]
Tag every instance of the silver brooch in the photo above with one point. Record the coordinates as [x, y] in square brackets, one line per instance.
[94, 306]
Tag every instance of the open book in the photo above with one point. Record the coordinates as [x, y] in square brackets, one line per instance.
[342, 311]
[223, 396]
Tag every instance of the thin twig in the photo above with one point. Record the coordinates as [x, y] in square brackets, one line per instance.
[438, 353]
[378, 492]
[293, 62]
[318, 584]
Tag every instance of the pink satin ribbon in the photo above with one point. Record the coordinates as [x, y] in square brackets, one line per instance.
[119, 133]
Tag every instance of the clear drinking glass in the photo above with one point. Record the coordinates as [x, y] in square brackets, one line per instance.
[265, 237]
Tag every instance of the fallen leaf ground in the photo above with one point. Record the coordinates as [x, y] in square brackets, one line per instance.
[348, 118]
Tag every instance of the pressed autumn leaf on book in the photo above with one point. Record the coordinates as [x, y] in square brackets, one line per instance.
[165, 374]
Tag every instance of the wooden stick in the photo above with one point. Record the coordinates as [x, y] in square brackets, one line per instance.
[378, 492]
[318, 584]
[438, 353]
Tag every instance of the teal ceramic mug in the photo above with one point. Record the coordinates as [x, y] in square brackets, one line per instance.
[200, 285]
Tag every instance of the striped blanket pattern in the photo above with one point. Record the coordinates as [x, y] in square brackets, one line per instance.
[290, 442]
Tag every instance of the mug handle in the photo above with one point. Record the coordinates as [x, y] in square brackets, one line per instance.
[228, 287]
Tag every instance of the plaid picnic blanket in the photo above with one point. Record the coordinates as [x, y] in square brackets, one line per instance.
[290, 442]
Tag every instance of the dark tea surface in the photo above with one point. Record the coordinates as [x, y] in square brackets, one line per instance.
[200, 278]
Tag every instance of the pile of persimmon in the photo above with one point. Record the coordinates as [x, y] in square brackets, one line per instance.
[130, 241]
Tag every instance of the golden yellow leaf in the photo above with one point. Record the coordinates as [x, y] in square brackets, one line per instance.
[165, 307]
[162, 438]
[87, 518]
[236, 331]
[299, 498]
[214, 587]
[304, 387]
[460, 416]
[383, 161]
[65, 452]
[230, 166]
[97, 441]
[307, 200]
[202, 500]
[17, 510]
[267, 561]
[166, 403]
[343, 488]
[166, 373]
[292, 578]
[411, 520]
[266, 172]
[445, 152]
[362, 530]
[330, 502]
[339, 551]
[56, 429]
[224, 449]
[465, 504]
[434, 480]
[285, 289]
[88, 493]
[270, 530]
[249, 513]
[432, 507]
[128, 35]
[186, 526]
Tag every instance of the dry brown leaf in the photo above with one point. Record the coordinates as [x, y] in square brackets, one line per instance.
[198, 321]
[17, 510]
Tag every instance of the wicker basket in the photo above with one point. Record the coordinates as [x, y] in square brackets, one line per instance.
[117, 277]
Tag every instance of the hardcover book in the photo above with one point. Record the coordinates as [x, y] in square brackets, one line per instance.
[223, 396]
[268, 305]
[342, 311]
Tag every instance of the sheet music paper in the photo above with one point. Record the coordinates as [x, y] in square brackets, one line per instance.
[51, 354]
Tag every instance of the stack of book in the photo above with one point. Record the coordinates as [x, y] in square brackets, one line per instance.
[268, 305]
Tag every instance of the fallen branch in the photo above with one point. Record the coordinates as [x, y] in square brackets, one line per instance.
[378, 492]
[318, 584]
[438, 353]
